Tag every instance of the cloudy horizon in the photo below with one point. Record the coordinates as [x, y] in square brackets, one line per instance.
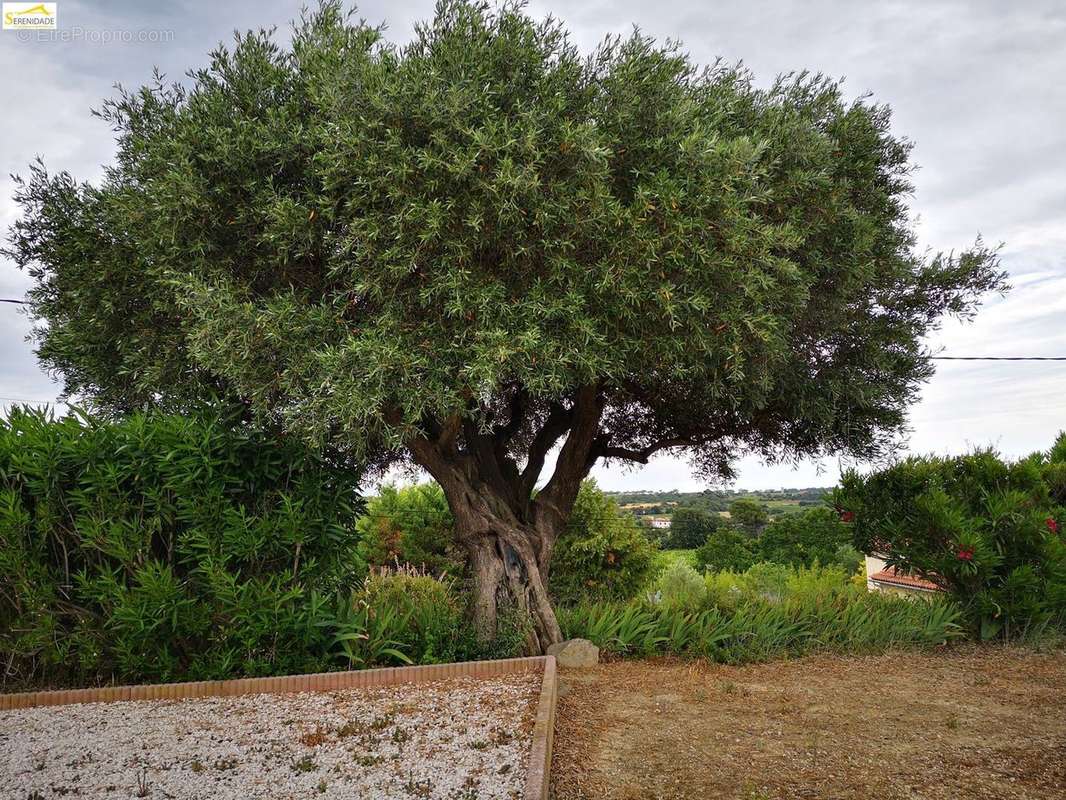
[972, 84]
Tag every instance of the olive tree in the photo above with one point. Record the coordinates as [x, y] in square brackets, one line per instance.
[492, 257]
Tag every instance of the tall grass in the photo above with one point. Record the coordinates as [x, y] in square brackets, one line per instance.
[760, 615]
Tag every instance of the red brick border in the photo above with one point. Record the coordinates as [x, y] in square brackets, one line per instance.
[536, 783]
[540, 756]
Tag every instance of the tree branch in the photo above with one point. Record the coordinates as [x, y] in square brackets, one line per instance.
[640, 456]
[555, 425]
[517, 415]
[575, 457]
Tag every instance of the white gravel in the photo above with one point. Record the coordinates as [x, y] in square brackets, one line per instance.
[462, 739]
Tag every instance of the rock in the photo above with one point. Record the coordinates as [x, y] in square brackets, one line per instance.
[575, 654]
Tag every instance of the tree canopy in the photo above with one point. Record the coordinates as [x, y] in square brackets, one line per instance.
[356, 236]
[690, 527]
[469, 249]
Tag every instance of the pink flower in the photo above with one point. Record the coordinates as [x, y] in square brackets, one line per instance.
[1052, 525]
[847, 516]
[965, 554]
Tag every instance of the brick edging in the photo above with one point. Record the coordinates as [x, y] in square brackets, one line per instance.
[540, 754]
[318, 682]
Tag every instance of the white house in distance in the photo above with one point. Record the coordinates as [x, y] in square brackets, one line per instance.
[882, 578]
[661, 523]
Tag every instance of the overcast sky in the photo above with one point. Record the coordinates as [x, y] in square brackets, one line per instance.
[978, 85]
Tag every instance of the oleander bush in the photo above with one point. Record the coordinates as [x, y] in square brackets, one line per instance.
[988, 531]
[164, 547]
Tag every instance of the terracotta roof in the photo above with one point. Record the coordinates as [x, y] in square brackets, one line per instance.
[890, 575]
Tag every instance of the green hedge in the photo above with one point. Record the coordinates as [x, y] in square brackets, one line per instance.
[165, 548]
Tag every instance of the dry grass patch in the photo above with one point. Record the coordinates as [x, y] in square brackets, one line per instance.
[966, 723]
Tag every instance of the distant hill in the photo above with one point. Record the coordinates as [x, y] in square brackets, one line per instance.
[716, 500]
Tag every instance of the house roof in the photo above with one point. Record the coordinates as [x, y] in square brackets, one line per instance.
[891, 576]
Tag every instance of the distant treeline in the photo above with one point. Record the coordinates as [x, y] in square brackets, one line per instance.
[717, 499]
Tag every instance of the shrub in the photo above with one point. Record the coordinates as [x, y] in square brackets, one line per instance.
[988, 531]
[815, 610]
[726, 548]
[680, 585]
[166, 548]
[410, 525]
[664, 559]
[602, 554]
[815, 534]
[432, 615]
[690, 527]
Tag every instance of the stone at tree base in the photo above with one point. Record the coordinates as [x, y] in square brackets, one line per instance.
[575, 654]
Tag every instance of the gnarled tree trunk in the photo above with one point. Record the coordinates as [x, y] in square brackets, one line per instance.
[507, 575]
[509, 534]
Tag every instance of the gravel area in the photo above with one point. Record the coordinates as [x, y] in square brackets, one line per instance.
[461, 739]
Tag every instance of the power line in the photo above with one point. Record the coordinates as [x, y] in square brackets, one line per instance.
[998, 358]
[16, 302]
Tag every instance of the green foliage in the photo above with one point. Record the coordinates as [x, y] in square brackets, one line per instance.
[690, 527]
[681, 585]
[664, 559]
[410, 525]
[726, 548]
[432, 615]
[808, 611]
[163, 547]
[359, 240]
[748, 515]
[602, 553]
[988, 531]
[816, 534]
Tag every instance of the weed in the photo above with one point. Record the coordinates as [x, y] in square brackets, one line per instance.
[422, 788]
[351, 728]
[314, 738]
[305, 764]
[500, 737]
[142, 783]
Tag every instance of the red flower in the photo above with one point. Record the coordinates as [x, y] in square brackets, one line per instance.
[1052, 525]
[965, 554]
[847, 516]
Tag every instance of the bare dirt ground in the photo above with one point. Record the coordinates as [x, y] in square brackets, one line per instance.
[965, 723]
